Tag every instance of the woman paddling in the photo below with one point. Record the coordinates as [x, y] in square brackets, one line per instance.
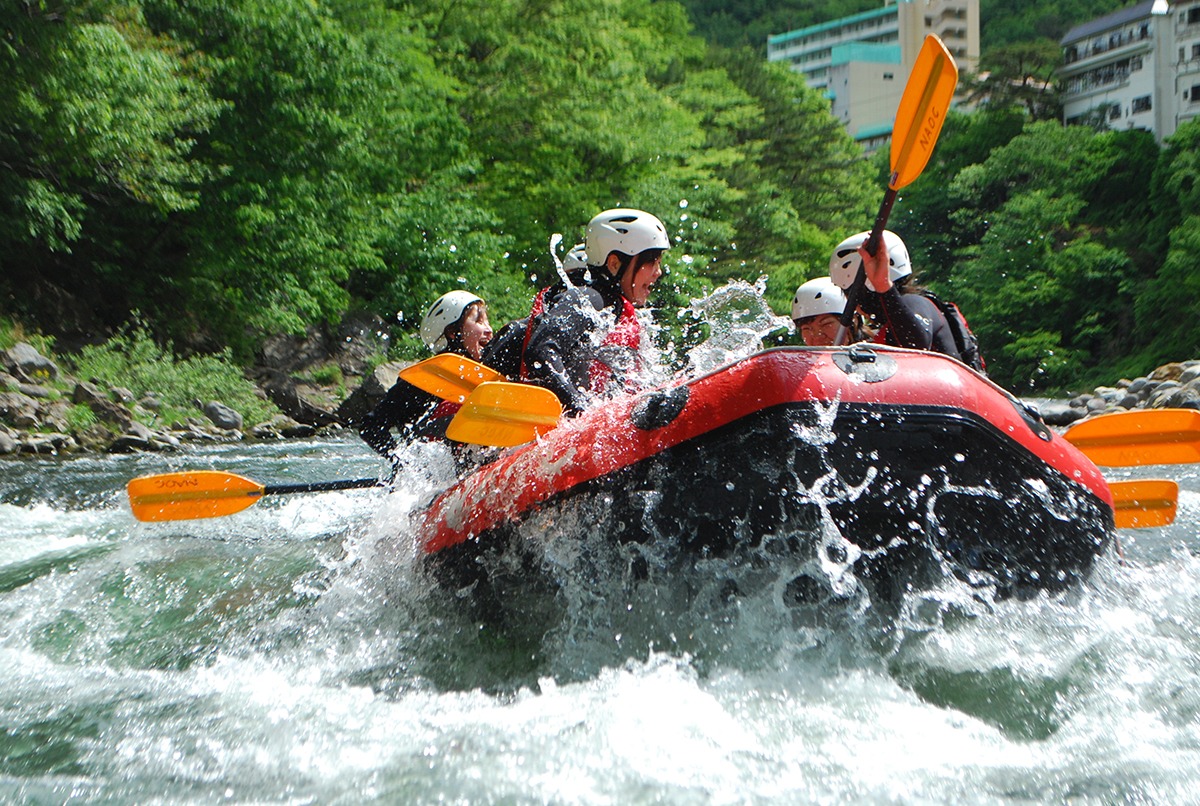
[456, 323]
[906, 314]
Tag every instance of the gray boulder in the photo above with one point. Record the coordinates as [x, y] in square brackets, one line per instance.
[368, 394]
[18, 410]
[1060, 413]
[23, 360]
[293, 401]
[222, 416]
[88, 394]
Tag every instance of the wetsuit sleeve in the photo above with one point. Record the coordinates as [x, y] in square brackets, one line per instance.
[561, 347]
[401, 408]
[914, 321]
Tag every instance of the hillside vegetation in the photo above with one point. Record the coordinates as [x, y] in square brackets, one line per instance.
[225, 171]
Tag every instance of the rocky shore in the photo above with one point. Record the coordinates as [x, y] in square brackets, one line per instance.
[1171, 386]
[36, 397]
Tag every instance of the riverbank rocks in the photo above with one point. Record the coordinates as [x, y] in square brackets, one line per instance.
[306, 377]
[1175, 386]
[304, 403]
[28, 364]
[37, 415]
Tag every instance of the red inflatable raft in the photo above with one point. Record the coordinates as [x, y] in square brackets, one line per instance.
[921, 464]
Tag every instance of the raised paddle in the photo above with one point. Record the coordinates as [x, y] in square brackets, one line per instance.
[212, 493]
[1144, 437]
[449, 376]
[1142, 503]
[919, 118]
[504, 414]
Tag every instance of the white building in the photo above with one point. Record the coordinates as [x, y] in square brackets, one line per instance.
[1137, 68]
[862, 61]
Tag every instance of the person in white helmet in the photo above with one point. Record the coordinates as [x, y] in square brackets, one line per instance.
[906, 314]
[560, 346]
[816, 310]
[457, 322]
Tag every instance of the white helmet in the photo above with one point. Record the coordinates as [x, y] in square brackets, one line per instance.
[446, 311]
[844, 265]
[576, 258]
[817, 297]
[629, 232]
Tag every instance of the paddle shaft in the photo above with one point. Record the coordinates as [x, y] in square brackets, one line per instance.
[919, 118]
[860, 280]
[320, 486]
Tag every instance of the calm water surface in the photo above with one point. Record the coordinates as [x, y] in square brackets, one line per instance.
[296, 653]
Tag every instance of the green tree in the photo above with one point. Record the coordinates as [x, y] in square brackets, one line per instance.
[1048, 297]
[924, 210]
[801, 183]
[98, 118]
[1018, 75]
[1167, 307]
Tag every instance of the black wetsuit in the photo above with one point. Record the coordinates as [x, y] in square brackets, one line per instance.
[413, 412]
[560, 350]
[910, 320]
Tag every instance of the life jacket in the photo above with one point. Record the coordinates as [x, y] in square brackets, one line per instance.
[626, 333]
[964, 339]
[446, 408]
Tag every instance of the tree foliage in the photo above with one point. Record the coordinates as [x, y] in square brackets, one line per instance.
[248, 167]
[1019, 75]
[234, 169]
[1028, 244]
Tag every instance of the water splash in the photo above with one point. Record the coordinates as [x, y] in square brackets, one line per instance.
[738, 319]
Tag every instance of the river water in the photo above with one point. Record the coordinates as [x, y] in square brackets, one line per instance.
[296, 653]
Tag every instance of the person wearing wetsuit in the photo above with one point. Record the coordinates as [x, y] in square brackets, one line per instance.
[904, 316]
[582, 339]
[457, 322]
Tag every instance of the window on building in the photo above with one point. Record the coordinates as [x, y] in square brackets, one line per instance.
[1195, 51]
[1135, 63]
[1195, 95]
[1114, 112]
[888, 76]
[1141, 104]
[1193, 15]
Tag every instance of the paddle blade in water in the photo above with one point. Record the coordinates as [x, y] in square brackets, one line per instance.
[922, 110]
[1144, 502]
[504, 414]
[449, 376]
[195, 494]
[1149, 437]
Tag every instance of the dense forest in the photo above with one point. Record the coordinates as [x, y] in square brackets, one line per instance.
[223, 171]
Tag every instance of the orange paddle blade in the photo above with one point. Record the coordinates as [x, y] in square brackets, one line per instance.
[449, 376]
[1149, 437]
[195, 494]
[1144, 502]
[922, 110]
[504, 414]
